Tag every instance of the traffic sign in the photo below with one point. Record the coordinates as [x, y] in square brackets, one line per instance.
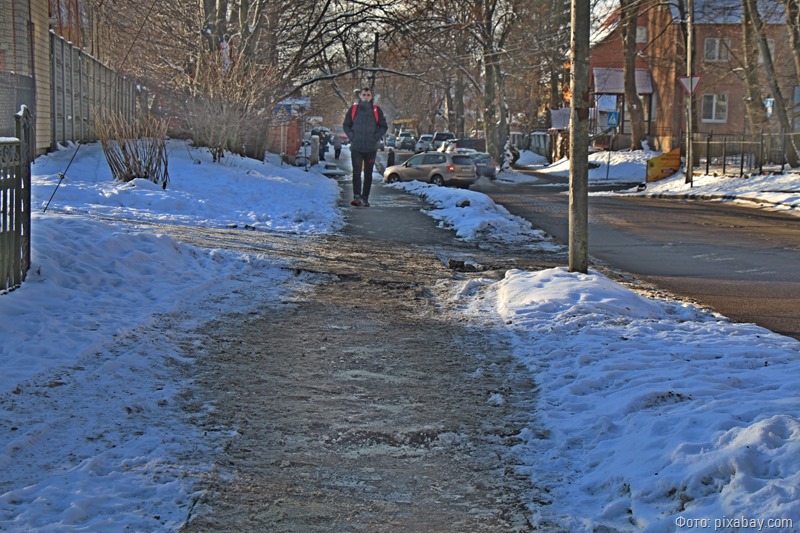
[690, 84]
[613, 119]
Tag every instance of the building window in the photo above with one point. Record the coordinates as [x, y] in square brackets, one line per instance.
[715, 107]
[716, 49]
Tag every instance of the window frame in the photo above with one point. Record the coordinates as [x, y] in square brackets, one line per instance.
[714, 107]
[721, 49]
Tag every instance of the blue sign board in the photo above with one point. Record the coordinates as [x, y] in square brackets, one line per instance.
[613, 119]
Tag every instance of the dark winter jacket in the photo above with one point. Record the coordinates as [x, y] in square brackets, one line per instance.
[364, 131]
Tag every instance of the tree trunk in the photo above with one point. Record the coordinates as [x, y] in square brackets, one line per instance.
[458, 103]
[556, 92]
[493, 145]
[633, 103]
[220, 22]
[793, 27]
[754, 104]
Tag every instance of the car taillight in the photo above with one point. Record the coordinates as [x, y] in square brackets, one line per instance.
[451, 169]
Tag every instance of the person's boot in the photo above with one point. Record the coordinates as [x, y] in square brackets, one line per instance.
[356, 201]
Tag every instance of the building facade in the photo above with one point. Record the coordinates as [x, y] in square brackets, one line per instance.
[719, 97]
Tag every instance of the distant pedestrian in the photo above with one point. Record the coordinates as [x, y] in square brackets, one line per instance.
[365, 125]
[323, 144]
[337, 146]
[390, 158]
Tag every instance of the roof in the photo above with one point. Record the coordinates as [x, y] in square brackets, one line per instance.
[730, 11]
[705, 12]
[612, 81]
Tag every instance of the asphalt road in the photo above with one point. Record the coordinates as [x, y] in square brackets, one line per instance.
[743, 262]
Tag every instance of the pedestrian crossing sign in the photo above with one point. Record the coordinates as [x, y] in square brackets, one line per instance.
[613, 119]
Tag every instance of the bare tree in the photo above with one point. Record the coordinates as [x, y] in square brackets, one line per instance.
[754, 103]
[792, 8]
[629, 12]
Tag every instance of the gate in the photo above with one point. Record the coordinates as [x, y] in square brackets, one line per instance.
[15, 203]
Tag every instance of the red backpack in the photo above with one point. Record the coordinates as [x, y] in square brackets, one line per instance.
[355, 106]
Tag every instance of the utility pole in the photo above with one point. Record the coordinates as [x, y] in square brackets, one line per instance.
[579, 139]
[689, 167]
[375, 48]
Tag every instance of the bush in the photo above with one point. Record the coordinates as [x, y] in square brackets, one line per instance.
[226, 106]
[135, 150]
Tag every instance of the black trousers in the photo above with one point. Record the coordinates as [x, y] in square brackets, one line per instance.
[365, 161]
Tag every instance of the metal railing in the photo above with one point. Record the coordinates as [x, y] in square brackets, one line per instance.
[15, 203]
[747, 153]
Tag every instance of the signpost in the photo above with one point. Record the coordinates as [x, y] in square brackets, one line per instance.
[613, 122]
[690, 84]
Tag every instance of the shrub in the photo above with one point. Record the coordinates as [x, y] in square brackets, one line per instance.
[135, 150]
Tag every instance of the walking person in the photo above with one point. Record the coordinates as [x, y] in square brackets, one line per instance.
[337, 146]
[365, 125]
[323, 144]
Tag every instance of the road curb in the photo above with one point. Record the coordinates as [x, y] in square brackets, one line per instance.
[721, 197]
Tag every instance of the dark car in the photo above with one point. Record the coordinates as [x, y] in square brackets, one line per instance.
[405, 142]
[485, 164]
[436, 168]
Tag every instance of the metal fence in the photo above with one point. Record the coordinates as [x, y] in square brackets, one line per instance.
[16, 155]
[748, 153]
[84, 89]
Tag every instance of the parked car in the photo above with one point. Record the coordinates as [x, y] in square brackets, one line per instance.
[436, 168]
[390, 141]
[405, 141]
[484, 164]
[439, 137]
[479, 145]
[447, 146]
[423, 143]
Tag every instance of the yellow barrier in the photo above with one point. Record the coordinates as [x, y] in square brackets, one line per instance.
[664, 165]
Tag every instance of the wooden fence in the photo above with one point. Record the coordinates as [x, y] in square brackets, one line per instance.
[82, 90]
[15, 203]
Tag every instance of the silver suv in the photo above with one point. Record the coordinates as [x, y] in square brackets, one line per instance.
[436, 168]
[439, 137]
